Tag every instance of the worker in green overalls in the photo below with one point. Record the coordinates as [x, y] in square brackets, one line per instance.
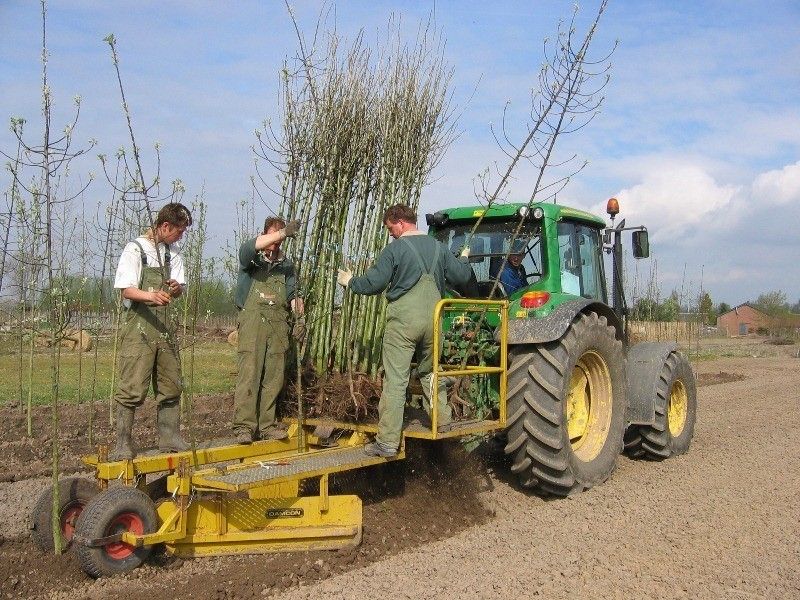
[413, 269]
[150, 274]
[264, 290]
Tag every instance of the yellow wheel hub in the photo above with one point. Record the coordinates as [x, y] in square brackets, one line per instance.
[676, 411]
[589, 406]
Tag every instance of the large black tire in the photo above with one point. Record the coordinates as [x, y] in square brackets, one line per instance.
[676, 411]
[118, 509]
[73, 495]
[566, 408]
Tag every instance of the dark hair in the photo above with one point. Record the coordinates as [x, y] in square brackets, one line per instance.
[400, 212]
[273, 222]
[174, 213]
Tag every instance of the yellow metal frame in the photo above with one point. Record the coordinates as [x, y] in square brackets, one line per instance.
[207, 515]
[224, 523]
[128, 470]
[499, 306]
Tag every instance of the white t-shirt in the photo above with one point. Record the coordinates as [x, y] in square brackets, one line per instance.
[129, 269]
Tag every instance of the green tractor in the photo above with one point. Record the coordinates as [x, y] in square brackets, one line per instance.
[578, 393]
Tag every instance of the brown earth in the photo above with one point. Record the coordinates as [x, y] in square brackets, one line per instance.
[721, 521]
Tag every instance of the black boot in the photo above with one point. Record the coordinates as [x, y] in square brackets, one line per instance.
[124, 450]
[169, 435]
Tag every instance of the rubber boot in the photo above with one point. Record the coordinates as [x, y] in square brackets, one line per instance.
[124, 450]
[169, 436]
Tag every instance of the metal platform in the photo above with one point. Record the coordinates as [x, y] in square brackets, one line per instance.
[217, 451]
[415, 428]
[237, 478]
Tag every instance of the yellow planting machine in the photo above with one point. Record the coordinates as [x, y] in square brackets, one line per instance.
[242, 499]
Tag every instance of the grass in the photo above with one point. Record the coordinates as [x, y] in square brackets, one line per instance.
[214, 372]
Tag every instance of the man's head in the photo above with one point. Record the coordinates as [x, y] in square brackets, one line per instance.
[171, 221]
[515, 259]
[400, 218]
[271, 225]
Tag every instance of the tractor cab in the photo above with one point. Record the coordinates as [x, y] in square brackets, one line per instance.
[536, 257]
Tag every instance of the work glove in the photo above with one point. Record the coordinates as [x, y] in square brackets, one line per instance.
[292, 227]
[343, 277]
[465, 252]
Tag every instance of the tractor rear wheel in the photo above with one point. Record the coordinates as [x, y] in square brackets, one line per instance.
[676, 411]
[73, 494]
[114, 511]
[566, 407]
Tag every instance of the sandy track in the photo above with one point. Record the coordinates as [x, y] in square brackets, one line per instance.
[719, 522]
[722, 521]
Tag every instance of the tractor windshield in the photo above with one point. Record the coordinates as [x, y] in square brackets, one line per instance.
[489, 246]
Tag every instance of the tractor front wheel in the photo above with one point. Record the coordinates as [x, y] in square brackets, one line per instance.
[566, 408]
[73, 495]
[115, 511]
[675, 412]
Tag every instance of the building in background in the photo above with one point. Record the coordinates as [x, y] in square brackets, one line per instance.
[743, 319]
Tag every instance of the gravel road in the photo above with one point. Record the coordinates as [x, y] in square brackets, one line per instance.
[720, 522]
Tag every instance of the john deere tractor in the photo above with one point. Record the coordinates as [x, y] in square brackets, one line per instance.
[577, 391]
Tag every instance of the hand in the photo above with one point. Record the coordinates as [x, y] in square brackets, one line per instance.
[175, 288]
[160, 298]
[299, 329]
[292, 227]
[465, 252]
[298, 307]
[343, 277]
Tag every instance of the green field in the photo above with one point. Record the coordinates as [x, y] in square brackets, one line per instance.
[214, 372]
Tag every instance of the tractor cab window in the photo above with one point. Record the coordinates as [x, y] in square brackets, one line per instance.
[580, 251]
[489, 246]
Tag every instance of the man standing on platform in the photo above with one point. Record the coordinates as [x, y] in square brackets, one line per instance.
[414, 270]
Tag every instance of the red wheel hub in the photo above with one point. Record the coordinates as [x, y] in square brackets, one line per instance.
[68, 518]
[123, 522]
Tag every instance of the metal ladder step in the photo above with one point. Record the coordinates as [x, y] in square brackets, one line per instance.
[236, 478]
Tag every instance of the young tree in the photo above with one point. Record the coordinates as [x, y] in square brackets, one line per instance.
[723, 307]
[669, 309]
[47, 159]
[706, 308]
[772, 303]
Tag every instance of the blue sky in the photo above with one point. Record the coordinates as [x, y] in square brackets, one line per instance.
[699, 137]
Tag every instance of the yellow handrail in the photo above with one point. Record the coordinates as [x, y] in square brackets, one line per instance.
[501, 306]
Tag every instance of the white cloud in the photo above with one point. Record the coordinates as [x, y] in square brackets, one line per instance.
[672, 197]
[779, 187]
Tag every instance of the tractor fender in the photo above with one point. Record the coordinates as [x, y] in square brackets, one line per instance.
[554, 325]
[644, 364]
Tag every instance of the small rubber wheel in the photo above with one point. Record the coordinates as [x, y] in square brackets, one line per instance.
[73, 495]
[114, 511]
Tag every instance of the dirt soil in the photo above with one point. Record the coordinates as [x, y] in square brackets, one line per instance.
[721, 521]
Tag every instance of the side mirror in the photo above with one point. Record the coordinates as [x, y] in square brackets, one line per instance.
[641, 244]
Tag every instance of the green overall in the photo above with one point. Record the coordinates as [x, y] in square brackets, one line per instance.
[409, 330]
[263, 342]
[148, 346]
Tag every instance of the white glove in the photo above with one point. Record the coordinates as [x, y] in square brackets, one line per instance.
[465, 252]
[343, 277]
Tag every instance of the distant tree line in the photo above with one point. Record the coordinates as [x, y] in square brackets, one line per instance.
[774, 304]
[94, 295]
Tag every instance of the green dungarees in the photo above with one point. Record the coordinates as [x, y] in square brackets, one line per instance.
[263, 342]
[409, 330]
[148, 346]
